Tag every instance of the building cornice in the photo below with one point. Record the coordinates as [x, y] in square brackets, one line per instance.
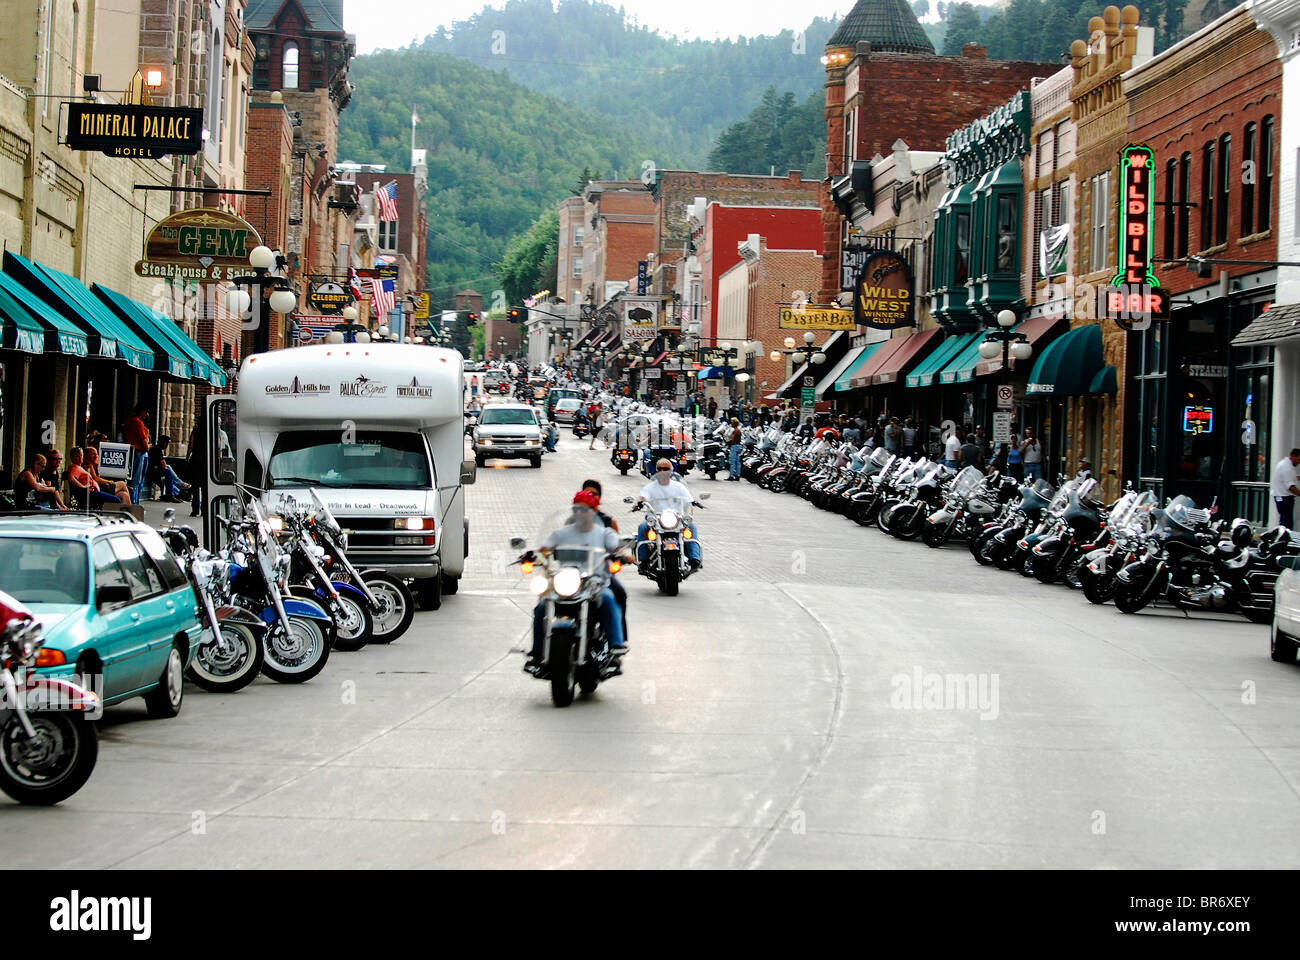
[1281, 18]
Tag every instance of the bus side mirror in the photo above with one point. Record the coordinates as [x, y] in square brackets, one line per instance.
[226, 470]
[468, 471]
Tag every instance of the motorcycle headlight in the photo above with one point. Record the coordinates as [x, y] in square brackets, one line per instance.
[567, 582]
[275, 523]
[317, 551]
[539, 584]
[668, 519]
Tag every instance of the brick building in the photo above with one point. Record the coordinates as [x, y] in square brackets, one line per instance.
[725, 226]
[748, 294]
[676, 190]
[401, 242]
[884, 82]
[1210, 107]
[617, 233]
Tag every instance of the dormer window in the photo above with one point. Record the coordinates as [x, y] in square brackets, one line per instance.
[289, 67]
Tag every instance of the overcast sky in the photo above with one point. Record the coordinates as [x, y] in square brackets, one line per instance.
[395, 23]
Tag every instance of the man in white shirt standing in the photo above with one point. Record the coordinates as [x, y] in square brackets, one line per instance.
[951, 447]
[1285, 488]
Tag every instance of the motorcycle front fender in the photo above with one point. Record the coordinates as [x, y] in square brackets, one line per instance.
[342, 588]
[942, 515]
[297, 607]
[40, 692]
[1049, 547]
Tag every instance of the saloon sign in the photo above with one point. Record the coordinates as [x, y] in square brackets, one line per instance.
[133, 130]
[640, 319]
[204, 245]
[802, 317]
[883, 296]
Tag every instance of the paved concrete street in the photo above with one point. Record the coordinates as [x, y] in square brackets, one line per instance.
[786, 710]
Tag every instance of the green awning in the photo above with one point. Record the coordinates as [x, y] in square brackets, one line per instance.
[1072, 366]
[962, 367]
[1106, 381]
[183, 352]
[60, 335]
[863, 358]
[924, 374]
[166, 355]
[70, 296]
[28, 335]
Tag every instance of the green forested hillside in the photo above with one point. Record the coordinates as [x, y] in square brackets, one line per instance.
[499, 154]
[781, 133]
[680, 95]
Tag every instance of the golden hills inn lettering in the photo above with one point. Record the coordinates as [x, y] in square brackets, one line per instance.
[133, 130]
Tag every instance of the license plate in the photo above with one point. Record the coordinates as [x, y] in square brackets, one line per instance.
[407, 541]
[670, 545]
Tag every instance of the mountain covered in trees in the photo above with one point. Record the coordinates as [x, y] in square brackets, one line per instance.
[516, 102]
[498, 153]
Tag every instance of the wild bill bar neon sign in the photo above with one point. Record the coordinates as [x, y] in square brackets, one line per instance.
[1134, 296]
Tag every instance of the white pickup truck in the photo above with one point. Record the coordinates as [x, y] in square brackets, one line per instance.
[376, 429]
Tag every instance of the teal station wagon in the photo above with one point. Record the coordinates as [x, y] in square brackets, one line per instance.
[112, 600]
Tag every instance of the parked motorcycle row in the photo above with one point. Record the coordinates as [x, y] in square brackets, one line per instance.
[1133, 552]
[274, 600]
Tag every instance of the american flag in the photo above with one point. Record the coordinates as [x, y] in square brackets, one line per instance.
[383, 296]
[354, 282]
[387, 197]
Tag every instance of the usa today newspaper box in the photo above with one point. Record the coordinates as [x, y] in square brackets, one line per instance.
[115, 461]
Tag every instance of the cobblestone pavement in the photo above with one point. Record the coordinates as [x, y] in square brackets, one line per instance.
[797, 705]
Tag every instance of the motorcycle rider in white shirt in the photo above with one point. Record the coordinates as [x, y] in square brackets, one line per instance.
[666, 493]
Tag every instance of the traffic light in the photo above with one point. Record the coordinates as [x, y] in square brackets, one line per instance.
[514, 315]
[471, 317]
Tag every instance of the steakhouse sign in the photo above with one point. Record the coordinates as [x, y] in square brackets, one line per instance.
[204, 245]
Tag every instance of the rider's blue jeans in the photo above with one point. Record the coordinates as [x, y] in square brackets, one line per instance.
[611, 621]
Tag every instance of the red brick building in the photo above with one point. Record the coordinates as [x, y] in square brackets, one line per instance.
[726, 226]
[1210, 107]
[618, 232]
[675, 190]
[884, 82]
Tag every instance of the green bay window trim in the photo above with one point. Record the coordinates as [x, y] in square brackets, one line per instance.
[951, 255]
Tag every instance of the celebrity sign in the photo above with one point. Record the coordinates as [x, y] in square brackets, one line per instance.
[1134, 296]
[883, 296]
[133, 130]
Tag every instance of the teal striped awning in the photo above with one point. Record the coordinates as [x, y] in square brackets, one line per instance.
[844, 380]
[186, 359]
[962, 367]
[924, 375]
[60, 335]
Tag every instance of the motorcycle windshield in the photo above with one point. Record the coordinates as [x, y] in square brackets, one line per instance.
[881, 457]
[323, 514]
[1183, 513]
[967, 482]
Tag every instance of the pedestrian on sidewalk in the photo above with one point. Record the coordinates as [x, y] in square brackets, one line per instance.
[1031, 452]
[198, 464]
[1285, 488]
[909, 438]
[952, 447]
[136, 432]
[1015, 467]
[733, 450]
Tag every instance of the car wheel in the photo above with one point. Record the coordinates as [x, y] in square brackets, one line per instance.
[429, 593]
[164, 700]
[479, 459]
[1282, 648]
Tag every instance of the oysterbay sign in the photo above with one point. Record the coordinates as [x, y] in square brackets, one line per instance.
[203, 245]
[133, 130]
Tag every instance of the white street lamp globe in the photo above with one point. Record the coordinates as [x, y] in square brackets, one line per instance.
[283, 301]
[789, 343]
[238, 301]
[797, 358]
[774, 356]
[333, 337]
[742, 378]
[726, 345]
[383, 331]
[350, 314]
[819, 357]
[406, 339]
[990, 349]
[1022, 351]
[1006, 318]
[363, 337]
[262, 258]
[809, 337]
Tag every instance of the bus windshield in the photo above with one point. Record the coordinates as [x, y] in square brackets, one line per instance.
[373, 458]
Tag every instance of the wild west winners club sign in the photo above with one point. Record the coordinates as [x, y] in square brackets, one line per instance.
[204, 245]
[882, 297]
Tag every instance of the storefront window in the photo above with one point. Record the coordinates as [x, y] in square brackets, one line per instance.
[1006, 253]
[963, 249]
[1151, 405]
[1200, 402]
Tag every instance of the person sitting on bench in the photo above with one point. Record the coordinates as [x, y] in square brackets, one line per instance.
[82, 486]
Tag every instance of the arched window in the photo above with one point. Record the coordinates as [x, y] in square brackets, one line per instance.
[1265, 174]
[1225, 187]
[1184, 197]
[1251, 171]
[1171, 207]
[289, 67]
[1207, 196]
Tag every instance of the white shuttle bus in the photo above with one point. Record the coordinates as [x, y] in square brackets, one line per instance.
[377, 429]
